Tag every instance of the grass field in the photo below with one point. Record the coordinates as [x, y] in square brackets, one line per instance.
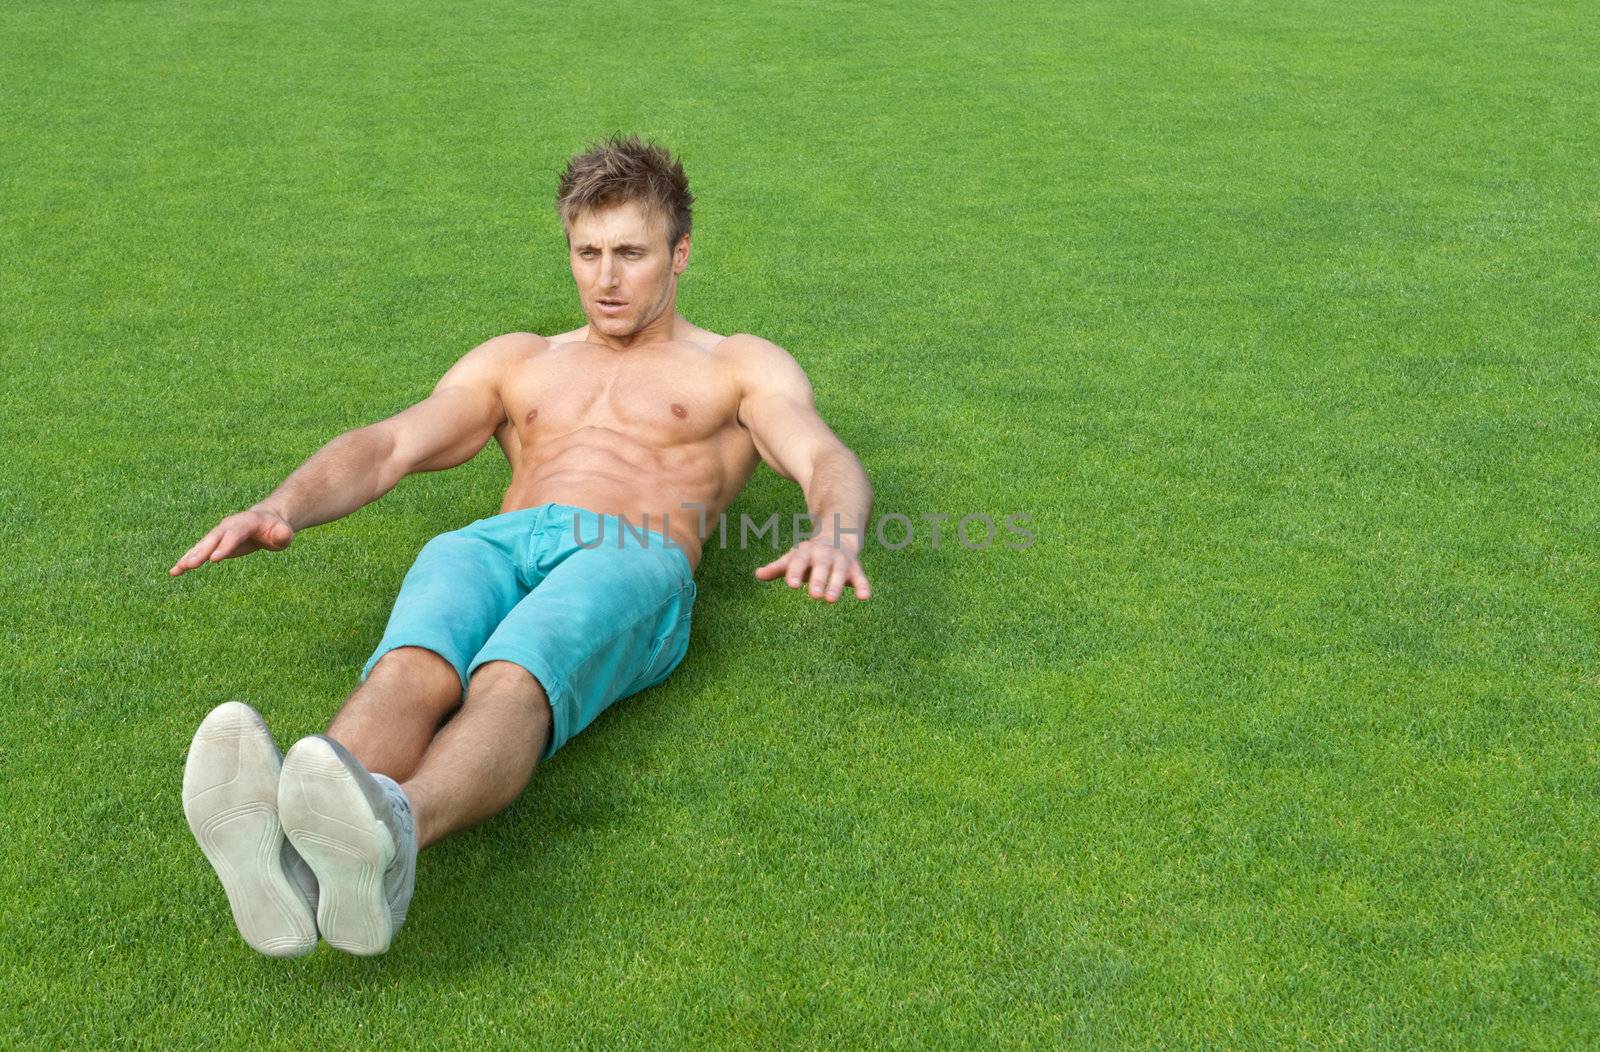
[1279, 318]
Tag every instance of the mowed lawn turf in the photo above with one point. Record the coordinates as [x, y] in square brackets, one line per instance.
[1278, 319]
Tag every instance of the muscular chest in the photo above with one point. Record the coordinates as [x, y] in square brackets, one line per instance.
[663, 396]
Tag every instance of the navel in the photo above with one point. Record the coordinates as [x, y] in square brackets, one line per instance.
[679, 411]
[533, 414]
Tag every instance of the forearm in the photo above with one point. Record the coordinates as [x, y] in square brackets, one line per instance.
[839, 497]
[349, 472]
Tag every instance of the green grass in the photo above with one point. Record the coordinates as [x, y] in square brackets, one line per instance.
[1279, 318]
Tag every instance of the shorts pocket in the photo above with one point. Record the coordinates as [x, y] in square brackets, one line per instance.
[671, 642]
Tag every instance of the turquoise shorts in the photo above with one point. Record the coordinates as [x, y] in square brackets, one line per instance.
[593, 622]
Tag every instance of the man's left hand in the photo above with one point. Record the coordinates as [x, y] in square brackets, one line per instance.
[830, 567]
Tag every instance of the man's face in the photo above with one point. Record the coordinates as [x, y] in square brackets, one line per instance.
[626, 274]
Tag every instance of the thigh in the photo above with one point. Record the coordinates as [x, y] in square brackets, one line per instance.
[460, 587]
[603, 624]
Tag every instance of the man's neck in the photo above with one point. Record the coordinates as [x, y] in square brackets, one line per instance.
[669, 325]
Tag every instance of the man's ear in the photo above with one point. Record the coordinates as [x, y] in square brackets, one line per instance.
[680, 255]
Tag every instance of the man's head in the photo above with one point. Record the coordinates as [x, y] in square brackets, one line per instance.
[626, 208]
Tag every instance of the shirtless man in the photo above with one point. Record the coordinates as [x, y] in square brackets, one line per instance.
[512, 634]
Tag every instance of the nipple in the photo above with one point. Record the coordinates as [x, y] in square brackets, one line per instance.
[679, 411]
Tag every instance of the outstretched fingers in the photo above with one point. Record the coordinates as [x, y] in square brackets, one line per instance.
[198, 554]
[228, 545]
[836, 579]
[858, 581]
[775, 568]
[236, 535]
[825, 563]
[828, 569]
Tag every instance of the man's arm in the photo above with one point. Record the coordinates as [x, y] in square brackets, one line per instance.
[447, 428]
[777, 407]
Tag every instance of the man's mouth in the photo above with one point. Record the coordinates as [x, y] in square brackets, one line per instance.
[611, 305]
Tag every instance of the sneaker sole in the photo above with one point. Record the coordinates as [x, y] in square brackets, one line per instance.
[331, 822]
[230, 798]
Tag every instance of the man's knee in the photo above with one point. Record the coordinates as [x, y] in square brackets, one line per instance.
[506, 679]
[416, 673]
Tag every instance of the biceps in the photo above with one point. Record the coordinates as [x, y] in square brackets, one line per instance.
[447, 428]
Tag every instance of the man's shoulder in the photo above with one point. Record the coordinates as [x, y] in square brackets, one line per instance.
[513, 343]
[755, 355]
[505, 351]
[761, 366]
[487, 364]
[746, 347]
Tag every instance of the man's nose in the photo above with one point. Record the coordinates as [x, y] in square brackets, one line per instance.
[608, 270]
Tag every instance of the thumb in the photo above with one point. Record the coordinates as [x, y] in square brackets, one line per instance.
[773, 569]
[277, 536]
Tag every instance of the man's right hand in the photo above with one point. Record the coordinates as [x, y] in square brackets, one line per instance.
[238, 534]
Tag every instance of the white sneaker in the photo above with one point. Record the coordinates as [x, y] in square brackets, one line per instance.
[230, 797]
[356, 832]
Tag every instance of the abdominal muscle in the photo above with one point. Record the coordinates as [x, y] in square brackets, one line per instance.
[609, 472]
